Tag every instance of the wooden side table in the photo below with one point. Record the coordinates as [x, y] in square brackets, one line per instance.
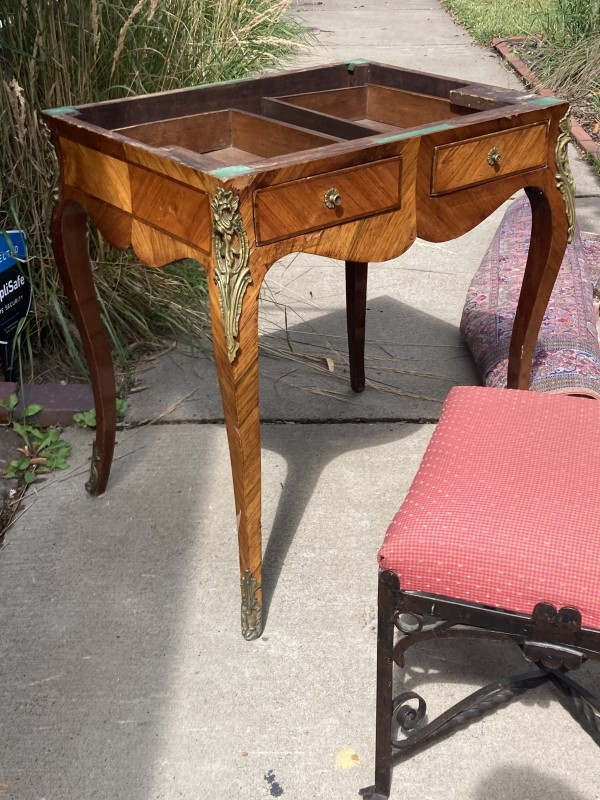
[350, 161]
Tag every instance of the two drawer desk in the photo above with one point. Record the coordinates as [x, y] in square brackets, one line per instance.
[352, 161]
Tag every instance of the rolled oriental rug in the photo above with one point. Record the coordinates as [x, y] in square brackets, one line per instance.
[567, 357]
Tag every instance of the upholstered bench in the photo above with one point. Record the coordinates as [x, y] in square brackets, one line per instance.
[498, 538]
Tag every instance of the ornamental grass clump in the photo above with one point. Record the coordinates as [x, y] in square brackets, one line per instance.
[567, 55]
[64, 52]
[561, 45]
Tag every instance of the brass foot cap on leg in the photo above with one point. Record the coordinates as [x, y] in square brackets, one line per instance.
[252, 629]
[92, 482]
[252, 621]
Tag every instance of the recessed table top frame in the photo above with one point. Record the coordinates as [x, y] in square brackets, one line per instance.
[352, 161]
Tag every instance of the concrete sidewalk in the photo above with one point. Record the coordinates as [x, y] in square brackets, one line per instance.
[123, 674]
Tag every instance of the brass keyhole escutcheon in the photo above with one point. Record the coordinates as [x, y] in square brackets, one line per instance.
[493, 157]
[332, 198]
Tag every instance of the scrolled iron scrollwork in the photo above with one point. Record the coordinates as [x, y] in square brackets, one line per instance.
[232, 274]
[564, 177]
[476, 705]
[408, 623]
[407, 717]
[437, 629]
[547, 618]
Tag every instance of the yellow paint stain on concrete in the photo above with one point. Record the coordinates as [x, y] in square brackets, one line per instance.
[346, 759]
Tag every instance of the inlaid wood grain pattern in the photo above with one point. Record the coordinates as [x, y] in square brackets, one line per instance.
[171, 207]
[152, 247]
[377, 238]
[238, 383]
[168, 205]
[177, 163]
[446, 216]
[97, 174]
[457, 166]
[156, 249]
[113, 223]
[292, 208]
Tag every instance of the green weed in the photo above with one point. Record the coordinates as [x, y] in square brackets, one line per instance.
[43, 449]
[87, 419]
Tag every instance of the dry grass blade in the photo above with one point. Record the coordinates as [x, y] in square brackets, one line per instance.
[320, 363]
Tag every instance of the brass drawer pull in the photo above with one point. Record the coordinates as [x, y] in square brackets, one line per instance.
[332, 198]
[493, 157]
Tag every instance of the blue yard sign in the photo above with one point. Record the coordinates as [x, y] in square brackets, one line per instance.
[15, 294]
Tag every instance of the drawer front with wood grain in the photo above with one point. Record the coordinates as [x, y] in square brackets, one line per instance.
[488, 158]
[290, 209]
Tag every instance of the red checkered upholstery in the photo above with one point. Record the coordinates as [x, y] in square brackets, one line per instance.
[505, 507]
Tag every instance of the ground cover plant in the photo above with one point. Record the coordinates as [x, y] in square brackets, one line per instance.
[42, 450]
[65, 52]
[496, 18]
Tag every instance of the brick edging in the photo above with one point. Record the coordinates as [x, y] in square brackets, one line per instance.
[504, 46]
[59, 401]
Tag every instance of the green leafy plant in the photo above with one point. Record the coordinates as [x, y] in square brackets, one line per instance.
[43, 449]
[9, 407]
[87, 419]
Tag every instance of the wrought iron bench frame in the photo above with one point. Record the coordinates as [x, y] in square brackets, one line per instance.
[553, 640]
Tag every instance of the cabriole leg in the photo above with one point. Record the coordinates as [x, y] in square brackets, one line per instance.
[234, 319]
[552, 227]
[238, 381]
[70, 245]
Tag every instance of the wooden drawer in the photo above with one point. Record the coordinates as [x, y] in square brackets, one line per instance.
[488, 158]
[289, 209]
